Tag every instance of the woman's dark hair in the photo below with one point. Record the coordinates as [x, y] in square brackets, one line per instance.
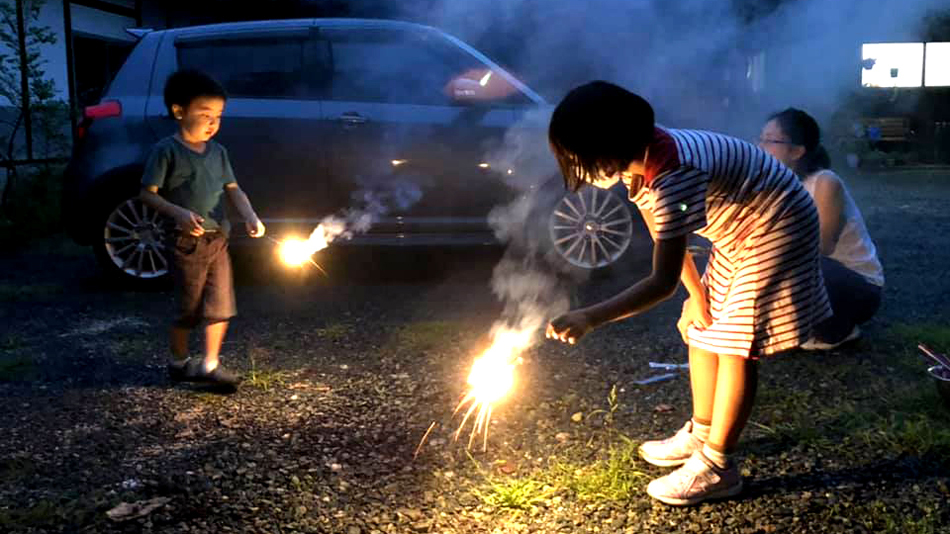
[185, 85]
[801, 129]
[599, 127]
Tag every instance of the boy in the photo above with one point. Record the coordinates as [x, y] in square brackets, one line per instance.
[192, 171]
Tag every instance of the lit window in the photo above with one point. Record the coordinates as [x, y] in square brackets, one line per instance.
[892, 64]
[937, 69]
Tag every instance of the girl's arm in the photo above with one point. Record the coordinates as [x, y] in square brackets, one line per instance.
[690, 275]
[660, 285]
[829, 199]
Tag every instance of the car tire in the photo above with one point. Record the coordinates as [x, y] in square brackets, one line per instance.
[593, 233]
[129, 243]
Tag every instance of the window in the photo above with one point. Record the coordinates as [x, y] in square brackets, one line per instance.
[258, 68]
[97, 61]
[404, 67]
[937, 68]
[892, 64]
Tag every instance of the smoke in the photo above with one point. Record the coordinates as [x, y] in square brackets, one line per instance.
[527, 279]
[372, 201]
[695, 60]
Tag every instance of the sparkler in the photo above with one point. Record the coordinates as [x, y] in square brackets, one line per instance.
[295, 252]
[489, 382]
[491, 378]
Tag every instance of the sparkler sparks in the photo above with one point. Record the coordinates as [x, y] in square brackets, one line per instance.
[491, 378]
[295, 252]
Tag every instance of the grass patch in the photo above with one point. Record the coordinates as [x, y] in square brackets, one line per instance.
[877, 516]
[134, 348]
[22, 293]
[514, 493]
[425, 335]
[15, 367]
[615, 479]
[77, 512]
[937, 337]
[334, 331]
[263, 378]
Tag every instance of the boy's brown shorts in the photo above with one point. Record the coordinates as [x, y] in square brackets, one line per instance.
[204, 284]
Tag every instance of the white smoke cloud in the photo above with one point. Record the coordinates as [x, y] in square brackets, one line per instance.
[690, 58]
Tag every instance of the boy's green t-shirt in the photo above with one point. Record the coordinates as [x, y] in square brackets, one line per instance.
[191, 180]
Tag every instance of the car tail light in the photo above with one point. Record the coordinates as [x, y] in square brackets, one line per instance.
[102, 110]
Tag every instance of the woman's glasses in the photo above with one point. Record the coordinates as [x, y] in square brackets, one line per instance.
[767, 141]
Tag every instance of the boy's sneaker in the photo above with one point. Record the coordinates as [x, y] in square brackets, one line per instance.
[696, 481]
[814, 343]
[672, 451]
[219, 376]
[177, 370]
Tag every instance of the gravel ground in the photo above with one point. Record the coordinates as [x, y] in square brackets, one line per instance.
[346, 374]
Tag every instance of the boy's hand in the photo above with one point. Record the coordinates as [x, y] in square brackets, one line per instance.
[255, 228]
[569, 327]
[190, 222]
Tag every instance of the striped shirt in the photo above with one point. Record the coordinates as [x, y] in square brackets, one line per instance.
[763, 276]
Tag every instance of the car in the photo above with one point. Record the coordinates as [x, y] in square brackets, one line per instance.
[327, 116]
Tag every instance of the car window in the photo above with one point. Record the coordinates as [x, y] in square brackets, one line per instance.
[399, 67]
[260, 68]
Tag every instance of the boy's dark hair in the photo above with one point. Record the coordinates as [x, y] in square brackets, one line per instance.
[801, 129]
[599, 127]
[185, 85]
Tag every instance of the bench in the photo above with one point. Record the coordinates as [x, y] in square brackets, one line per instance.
[888, 129]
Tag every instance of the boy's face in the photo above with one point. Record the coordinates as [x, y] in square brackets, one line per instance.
[201, 119]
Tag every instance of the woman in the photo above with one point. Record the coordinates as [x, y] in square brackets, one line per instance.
[852, 271]
[761, 294]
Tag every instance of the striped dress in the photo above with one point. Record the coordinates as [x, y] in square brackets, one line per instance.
[763, 276]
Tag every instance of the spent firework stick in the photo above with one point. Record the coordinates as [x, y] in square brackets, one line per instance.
[939, 358]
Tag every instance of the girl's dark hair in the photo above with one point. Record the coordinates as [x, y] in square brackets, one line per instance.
[599, 127]
[185, 85]
[802, 129]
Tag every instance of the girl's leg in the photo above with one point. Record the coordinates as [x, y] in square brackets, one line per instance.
[703, 373]
[736, 383]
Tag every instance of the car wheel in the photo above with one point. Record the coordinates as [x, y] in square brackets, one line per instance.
[590, 230]
[131, 246]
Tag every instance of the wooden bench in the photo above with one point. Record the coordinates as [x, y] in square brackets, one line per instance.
[888, 129]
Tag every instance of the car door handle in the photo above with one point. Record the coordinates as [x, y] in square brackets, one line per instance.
[352, 118]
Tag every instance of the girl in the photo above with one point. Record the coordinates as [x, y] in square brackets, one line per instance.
[762, 291]
[853, 274]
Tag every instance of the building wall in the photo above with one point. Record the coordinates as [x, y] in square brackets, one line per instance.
[86, 21]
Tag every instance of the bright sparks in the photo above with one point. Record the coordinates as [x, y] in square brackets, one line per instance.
[484, 81]
[295, 252]
[491, 379]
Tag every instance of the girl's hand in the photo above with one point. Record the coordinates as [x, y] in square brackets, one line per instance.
[569, 327]
[695, 311]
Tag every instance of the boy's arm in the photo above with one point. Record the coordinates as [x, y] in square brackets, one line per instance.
[243, 205]
[187, 220]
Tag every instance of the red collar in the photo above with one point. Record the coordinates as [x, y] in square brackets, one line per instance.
[661, 156]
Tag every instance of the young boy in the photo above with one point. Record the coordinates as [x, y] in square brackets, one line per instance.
[184, 177]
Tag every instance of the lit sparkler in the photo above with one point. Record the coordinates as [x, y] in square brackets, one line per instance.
[295, 252]
[491, 378]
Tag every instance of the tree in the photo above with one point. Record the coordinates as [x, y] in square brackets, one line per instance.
[19, 55]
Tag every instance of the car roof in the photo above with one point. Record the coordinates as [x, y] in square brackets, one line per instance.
[266, 26]
[290, 24]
